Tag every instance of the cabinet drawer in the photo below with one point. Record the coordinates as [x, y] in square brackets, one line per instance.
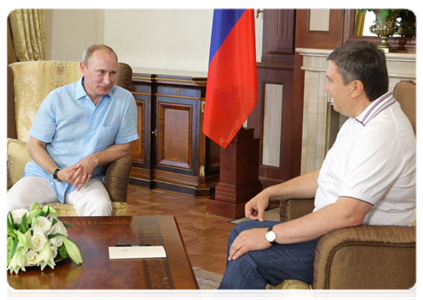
[177, 91]
[141, 88]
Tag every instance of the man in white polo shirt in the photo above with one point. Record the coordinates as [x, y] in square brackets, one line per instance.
[368, 177]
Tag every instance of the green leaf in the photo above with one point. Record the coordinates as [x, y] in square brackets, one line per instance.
[62, 252]
[52, 236]
[22, 239]
[34, 206]
[67, 225]
[384, 14]
[10, 246]
[24, 224]
[10, 226]
[14, 246]
[48, 210]
[54, 222]
[72, 250]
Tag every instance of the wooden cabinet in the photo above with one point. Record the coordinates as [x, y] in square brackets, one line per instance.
[172, 152]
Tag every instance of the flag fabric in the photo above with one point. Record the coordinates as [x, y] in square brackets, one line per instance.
[231, 92]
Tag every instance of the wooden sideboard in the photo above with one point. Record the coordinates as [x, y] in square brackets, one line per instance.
[172, 152]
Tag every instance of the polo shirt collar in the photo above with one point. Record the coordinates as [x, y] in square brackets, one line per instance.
[375, 108]
[81, 93]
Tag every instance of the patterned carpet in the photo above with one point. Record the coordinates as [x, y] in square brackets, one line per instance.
[207, 280]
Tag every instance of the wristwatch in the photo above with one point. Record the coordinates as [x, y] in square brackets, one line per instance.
[55, 175]
[271, 236]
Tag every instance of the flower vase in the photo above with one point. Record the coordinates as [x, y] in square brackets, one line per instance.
[384, 29]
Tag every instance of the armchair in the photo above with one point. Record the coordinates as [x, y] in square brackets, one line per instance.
[363, 257]
[28, 85]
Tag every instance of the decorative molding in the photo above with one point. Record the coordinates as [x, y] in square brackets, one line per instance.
[190, 81]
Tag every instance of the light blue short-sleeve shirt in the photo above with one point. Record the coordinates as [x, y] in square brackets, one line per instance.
[73, 128]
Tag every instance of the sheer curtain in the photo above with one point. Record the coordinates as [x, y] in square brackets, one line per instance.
[28, 34]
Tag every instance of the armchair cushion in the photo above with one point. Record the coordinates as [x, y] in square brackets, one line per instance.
[36, 80]
[17, 158]
[67, 210]
[290, 290]
[294, 208]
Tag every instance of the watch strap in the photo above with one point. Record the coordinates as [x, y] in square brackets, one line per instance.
[272, 242]
[55, 174]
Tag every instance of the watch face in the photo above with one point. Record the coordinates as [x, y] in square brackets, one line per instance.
[270, 236]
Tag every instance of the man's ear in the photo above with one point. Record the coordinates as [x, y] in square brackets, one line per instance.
[82, 67]
[358, 88]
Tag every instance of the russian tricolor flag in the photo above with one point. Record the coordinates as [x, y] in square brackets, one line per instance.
[231, 92]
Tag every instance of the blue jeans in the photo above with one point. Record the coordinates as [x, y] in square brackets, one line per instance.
[255, 269]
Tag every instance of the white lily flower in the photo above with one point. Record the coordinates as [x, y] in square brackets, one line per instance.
[18, 262]
[17, 215]
[58, 228]
[73, 251]
[46, 257]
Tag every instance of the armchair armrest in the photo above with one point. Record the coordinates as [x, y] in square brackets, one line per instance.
[366, 257]
[117, 178]
[294, 208]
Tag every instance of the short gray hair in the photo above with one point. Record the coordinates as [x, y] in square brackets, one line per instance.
[91, 49]
[364, 61]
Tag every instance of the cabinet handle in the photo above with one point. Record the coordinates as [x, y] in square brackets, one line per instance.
[176, 90]
[154, 132]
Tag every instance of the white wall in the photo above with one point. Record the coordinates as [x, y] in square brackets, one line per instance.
[70, 31]
[169, 39]
[160, 39]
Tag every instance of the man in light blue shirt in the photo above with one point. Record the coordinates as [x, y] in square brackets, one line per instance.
[78, 130]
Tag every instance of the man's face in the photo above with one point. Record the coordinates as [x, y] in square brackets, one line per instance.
[100, 73]
[339, 91]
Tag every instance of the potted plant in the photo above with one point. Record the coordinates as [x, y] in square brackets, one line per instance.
[385, 25]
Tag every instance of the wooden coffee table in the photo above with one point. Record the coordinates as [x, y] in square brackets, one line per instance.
[94, 235]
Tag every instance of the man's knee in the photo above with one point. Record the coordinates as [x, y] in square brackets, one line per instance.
[104, 207]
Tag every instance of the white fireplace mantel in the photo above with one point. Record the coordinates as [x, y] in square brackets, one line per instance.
[317, 101]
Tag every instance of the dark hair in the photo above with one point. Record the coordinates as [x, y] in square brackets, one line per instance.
[91, 49]
[363, 61]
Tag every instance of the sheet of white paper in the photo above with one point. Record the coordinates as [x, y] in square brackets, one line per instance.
[136, 252]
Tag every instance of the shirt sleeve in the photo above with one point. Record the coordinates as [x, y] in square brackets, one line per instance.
[374, 164]
[44, 124]
[128, 129]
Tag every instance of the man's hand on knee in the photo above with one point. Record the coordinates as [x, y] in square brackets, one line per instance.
[248, 240]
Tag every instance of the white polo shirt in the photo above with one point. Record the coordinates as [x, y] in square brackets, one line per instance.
[374, 160]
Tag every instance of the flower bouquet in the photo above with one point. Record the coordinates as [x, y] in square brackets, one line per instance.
[37, 238]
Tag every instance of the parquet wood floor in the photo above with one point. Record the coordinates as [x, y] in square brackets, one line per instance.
[205, 236]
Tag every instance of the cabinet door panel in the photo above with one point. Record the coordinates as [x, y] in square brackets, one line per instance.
[138, 146]
[175, 126]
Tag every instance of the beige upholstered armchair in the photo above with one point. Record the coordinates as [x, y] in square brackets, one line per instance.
[363, 257]
[28, 85]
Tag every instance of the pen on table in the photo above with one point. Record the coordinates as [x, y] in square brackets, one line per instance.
[130, 245]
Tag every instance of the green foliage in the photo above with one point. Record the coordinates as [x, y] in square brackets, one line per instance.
[8, 249]
[62, 253]
[384, 14]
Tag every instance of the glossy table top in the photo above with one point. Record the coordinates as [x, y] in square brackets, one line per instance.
[94, 235]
